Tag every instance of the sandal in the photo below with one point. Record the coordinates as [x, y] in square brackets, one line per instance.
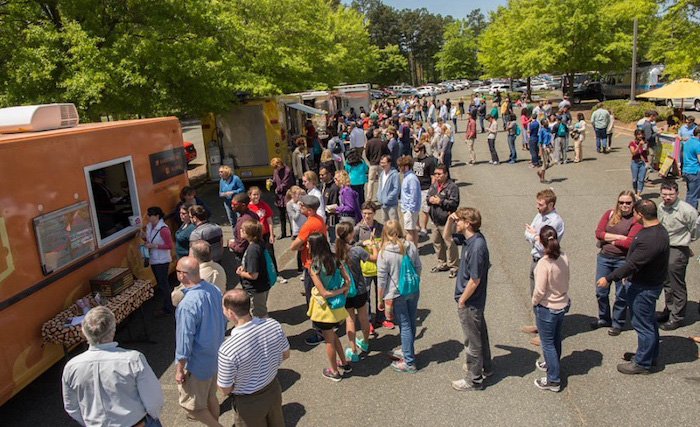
[437, 269]
[453, 274]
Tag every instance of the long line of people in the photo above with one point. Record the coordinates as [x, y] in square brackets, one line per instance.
[345, 254]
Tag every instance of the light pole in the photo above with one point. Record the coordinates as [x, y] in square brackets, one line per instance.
[633, 79]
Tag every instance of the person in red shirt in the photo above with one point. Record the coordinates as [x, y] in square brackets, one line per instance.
[314, 224]
[639, 151]
[265, 213]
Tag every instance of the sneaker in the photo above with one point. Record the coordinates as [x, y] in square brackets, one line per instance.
[614, 331]
[485, 373]
[353, 357]
[629, 356]
[395, 354]
[631, 368]
[387, 324]
[314, 340]
[544, 384]
[281, 280]
[402, 366]
[423, 233]
[541, 365]
[464, 385]
[364, 346]
[346, 367]
[333, 376]
[371, 330]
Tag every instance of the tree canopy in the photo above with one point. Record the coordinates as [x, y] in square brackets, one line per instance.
[457, 58]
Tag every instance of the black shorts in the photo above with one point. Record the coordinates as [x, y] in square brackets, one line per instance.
[357, 301]
[324, 326]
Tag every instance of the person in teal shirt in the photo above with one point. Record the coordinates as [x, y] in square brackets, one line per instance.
[691, 168]
[357, 169]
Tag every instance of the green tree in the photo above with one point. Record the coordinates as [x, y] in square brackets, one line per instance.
[457, 58]
[391, 66]
[532, 37]
[674, 40]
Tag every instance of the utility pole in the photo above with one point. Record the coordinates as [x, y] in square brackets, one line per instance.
[633, 79]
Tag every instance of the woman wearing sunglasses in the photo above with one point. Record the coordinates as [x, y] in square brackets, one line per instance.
[615, 232]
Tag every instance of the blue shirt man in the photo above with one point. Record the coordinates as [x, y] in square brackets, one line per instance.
[686, 131]
[691, 168]
[410, 192]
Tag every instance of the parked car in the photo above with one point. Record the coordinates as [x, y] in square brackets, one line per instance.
[190, 151]
[483, 89]
[687, 103]
[376, 94]
[500, 87]
[539, 85]
[406, 91]
[425, 91]
[586, 91]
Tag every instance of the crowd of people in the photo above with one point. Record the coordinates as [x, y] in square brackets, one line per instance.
[387, 160]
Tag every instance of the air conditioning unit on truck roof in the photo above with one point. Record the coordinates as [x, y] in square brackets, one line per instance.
[34, 118]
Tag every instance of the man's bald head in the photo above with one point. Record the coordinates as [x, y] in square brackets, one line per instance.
[188, 269]
[238, 301]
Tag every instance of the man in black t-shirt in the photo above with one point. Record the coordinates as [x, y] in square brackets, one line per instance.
[470, 294]
[253, 269]
[424, 168]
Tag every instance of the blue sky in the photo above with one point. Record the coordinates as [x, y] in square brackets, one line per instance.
[457, 8]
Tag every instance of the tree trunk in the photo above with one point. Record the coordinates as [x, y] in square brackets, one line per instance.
[529, 89]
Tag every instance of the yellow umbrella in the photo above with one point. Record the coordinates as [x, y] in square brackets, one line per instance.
[681, 88]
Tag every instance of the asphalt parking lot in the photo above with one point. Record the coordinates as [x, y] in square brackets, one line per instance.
[593, 393]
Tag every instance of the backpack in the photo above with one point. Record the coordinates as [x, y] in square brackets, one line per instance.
[337, 148]
[562, 130]
[517, 130]
[336, 282]
[409, 281]
[271, 272]
[353, 288]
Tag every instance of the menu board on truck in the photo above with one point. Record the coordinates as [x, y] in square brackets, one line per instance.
[64, 236]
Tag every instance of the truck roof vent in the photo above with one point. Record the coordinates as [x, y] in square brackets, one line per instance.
[34, 118]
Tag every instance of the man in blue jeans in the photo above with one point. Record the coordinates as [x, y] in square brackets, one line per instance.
[470, 294]
[533, 130]
[646, 269]
[691, 168]
[600, 119]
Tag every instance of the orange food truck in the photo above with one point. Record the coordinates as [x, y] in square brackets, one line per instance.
[71, 205]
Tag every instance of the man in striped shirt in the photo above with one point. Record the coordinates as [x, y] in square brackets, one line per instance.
[248, 363]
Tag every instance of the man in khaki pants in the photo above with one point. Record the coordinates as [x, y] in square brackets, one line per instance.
[443, 199]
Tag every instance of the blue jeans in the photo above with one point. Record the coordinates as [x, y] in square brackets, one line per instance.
[481, 122]
[549, 328]
[693, 182]
[405, 308]
[229, 213]
[511, 144]
[601, 139]
[639, 170]
[152, 422]
[642, 303]
[454, 122]
[604, 266]
[534, 153]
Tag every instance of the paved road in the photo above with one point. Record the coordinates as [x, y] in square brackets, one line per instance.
[593, 394]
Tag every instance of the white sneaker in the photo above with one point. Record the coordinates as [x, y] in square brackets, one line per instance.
[282, 280]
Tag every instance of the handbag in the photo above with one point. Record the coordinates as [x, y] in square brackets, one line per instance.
[336, 282]
[409, 281]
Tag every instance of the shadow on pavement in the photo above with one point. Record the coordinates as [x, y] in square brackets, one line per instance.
[291, 316]
[287, 378]
[446, 351]
[426, 250]
[557, 180]
[519, 362]
[464, 184]
[674, 349]
[575, 324]
[579, 363]
[293, 413]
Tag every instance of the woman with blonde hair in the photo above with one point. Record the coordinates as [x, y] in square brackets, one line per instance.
[616, 229]
[444, 148]
[348, 208]
[229, 186]
[391, 255]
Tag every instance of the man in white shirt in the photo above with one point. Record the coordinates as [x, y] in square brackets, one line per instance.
[248, 364]
[209, 270]
[564, 103]
[358, 139]
[546, 215]
[108, 385]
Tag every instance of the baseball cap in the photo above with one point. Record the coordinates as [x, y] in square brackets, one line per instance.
[311, 202]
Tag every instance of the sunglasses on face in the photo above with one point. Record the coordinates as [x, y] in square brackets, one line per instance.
[620, 202]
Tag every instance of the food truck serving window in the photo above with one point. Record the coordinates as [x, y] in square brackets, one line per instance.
[113, 198]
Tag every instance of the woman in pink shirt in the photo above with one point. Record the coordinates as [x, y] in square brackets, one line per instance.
[550, 302]
[525, 122]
